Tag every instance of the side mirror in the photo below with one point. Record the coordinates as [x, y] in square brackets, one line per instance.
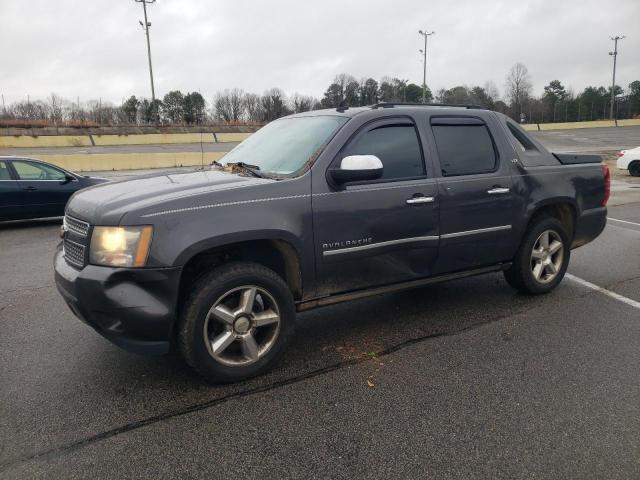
[356, 168]
[68, 178]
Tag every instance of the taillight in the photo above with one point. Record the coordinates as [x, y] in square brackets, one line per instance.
[607, 184]
[620, 153]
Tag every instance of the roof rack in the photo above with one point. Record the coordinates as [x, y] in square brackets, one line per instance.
[407, 104]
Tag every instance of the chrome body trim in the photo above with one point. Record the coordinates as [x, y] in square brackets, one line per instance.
[431, 238]
[475, 232]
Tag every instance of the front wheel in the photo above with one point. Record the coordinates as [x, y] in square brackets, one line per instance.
[542, 259]
[237, 322]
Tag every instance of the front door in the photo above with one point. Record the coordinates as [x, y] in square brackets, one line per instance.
[476, 203]
[45, 189]
[383, 231]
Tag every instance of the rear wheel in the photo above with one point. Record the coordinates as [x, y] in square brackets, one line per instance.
[634, 168]
[237, 322]
[542, 258]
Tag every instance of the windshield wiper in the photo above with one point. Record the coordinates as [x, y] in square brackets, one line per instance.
[252, 169]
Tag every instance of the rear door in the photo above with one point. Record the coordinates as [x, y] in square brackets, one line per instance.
[45, 189]
[476, 198]
[383, 231]
[10, 207]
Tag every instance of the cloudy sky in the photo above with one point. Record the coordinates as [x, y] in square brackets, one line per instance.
[96, 48]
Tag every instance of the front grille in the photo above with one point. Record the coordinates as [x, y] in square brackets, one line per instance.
[74, 253]
[76, 226]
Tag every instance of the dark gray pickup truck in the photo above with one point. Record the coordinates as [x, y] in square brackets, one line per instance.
[315, 209]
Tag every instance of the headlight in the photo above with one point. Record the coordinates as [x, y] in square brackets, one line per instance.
[120, 246]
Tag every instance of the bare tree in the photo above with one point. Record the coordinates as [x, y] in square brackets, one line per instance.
[518, 85]
[29, 110]
[236, 102]
[492, 90]
[55, 108]
[253, 107]
[229, 105]
[301, 103]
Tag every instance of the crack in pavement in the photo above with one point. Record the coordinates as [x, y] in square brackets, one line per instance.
[79, 444]
[620, 282]
[27, 289]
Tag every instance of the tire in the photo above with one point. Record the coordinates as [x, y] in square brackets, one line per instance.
[524, 274]
[634, 168]
[215, 306]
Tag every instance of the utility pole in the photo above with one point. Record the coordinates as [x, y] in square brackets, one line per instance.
[426, 35]
[614, 54]
[146, 26]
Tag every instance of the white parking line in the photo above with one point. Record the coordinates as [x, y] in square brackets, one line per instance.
[609, 293]
[623, 221]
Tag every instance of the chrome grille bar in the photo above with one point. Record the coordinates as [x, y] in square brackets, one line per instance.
[74, 253]
[76, 226]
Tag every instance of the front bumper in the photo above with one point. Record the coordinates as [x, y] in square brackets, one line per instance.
[133, 308]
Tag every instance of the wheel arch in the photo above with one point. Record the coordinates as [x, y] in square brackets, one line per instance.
[564, 209]
[274, 252]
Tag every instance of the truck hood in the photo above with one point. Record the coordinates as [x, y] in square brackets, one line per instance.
[107, 203]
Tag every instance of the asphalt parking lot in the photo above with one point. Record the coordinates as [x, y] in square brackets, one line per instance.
[465, 379]
[590, 139]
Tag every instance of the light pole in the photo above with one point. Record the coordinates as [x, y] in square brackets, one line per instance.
[614, 54]
[426, 35]
[146, 26]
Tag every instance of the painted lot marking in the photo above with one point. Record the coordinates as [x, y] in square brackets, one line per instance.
[604, 291]
[623, 221]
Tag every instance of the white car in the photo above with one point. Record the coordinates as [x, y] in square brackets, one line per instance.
[630, 160]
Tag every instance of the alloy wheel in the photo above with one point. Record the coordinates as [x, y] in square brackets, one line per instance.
[547, 256]
[242, 326]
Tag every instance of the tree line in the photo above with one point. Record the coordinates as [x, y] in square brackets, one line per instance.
[554, 104]
[557, 103]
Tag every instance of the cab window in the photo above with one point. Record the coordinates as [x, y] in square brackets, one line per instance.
[464, 148]
[396, 145]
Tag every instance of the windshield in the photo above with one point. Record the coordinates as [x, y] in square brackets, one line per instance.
[285, 146]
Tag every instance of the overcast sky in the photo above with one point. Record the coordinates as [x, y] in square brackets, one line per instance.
[96, 48]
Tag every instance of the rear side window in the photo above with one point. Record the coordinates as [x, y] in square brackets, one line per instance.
[464, 149]
[522, 141]
[398, 148]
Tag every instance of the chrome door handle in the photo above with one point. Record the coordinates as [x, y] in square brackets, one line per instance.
[414, 200]
[498, 191]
